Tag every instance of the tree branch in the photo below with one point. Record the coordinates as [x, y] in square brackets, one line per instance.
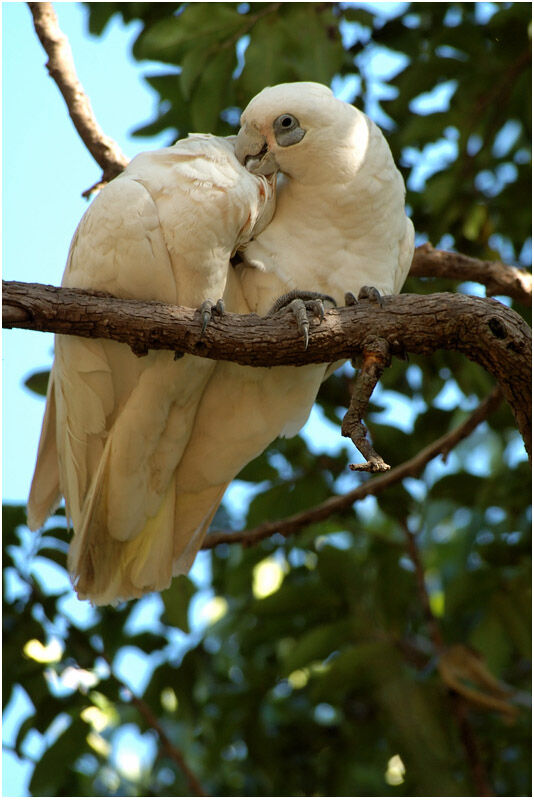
[484, 330]
[498, 278]
[167, 746]
[374, 486]
[60, 65]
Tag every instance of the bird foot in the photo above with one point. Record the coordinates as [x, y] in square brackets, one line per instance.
[299, 303]
[207, 310]
[368, 293]
[371, 294]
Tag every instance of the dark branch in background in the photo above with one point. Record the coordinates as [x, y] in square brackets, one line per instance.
[484, 330]
[498, 278]
[458, 706]
[170, 749]
[341, 503]
[430, 619]
[60, 65]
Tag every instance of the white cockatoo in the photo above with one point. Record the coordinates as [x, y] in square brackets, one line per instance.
[339, 225]
[116, 426]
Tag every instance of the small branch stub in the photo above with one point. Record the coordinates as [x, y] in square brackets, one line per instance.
[376, 357]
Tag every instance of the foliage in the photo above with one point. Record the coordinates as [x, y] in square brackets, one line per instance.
[311, 664]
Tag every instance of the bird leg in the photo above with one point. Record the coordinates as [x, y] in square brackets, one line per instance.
[376, 357]
[300, 302]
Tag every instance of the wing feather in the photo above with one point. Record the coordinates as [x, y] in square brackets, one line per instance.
[116, 426]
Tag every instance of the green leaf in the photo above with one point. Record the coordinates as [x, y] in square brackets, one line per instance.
[285, 499]
[294, 598]
[200, 26]
[516, 621]
[318, 644]
[417, 715]
[100, 14]
[490, 639]
[38, 382]
[360, 15]
[176, 600]
[278, 52]
[213, 90]
[12, 517]
[58, 760]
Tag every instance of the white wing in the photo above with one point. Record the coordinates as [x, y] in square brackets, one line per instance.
[118, 425]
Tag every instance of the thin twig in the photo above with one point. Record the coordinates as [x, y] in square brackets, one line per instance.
[471, 749]
[168, 747]
[152, 721]
[374, 486]
[431, 621]
[61, 67]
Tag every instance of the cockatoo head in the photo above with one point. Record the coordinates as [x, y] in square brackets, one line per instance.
[300, 129]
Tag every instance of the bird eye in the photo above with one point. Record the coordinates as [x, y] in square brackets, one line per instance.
[287, 130]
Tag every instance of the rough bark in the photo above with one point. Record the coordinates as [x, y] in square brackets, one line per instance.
[484, 330]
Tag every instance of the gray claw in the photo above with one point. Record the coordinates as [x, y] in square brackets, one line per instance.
[205, 314]
[207, 310]
[300, 302]
[350, 299]
[317, 307]
[298, 307]
[371, 294]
